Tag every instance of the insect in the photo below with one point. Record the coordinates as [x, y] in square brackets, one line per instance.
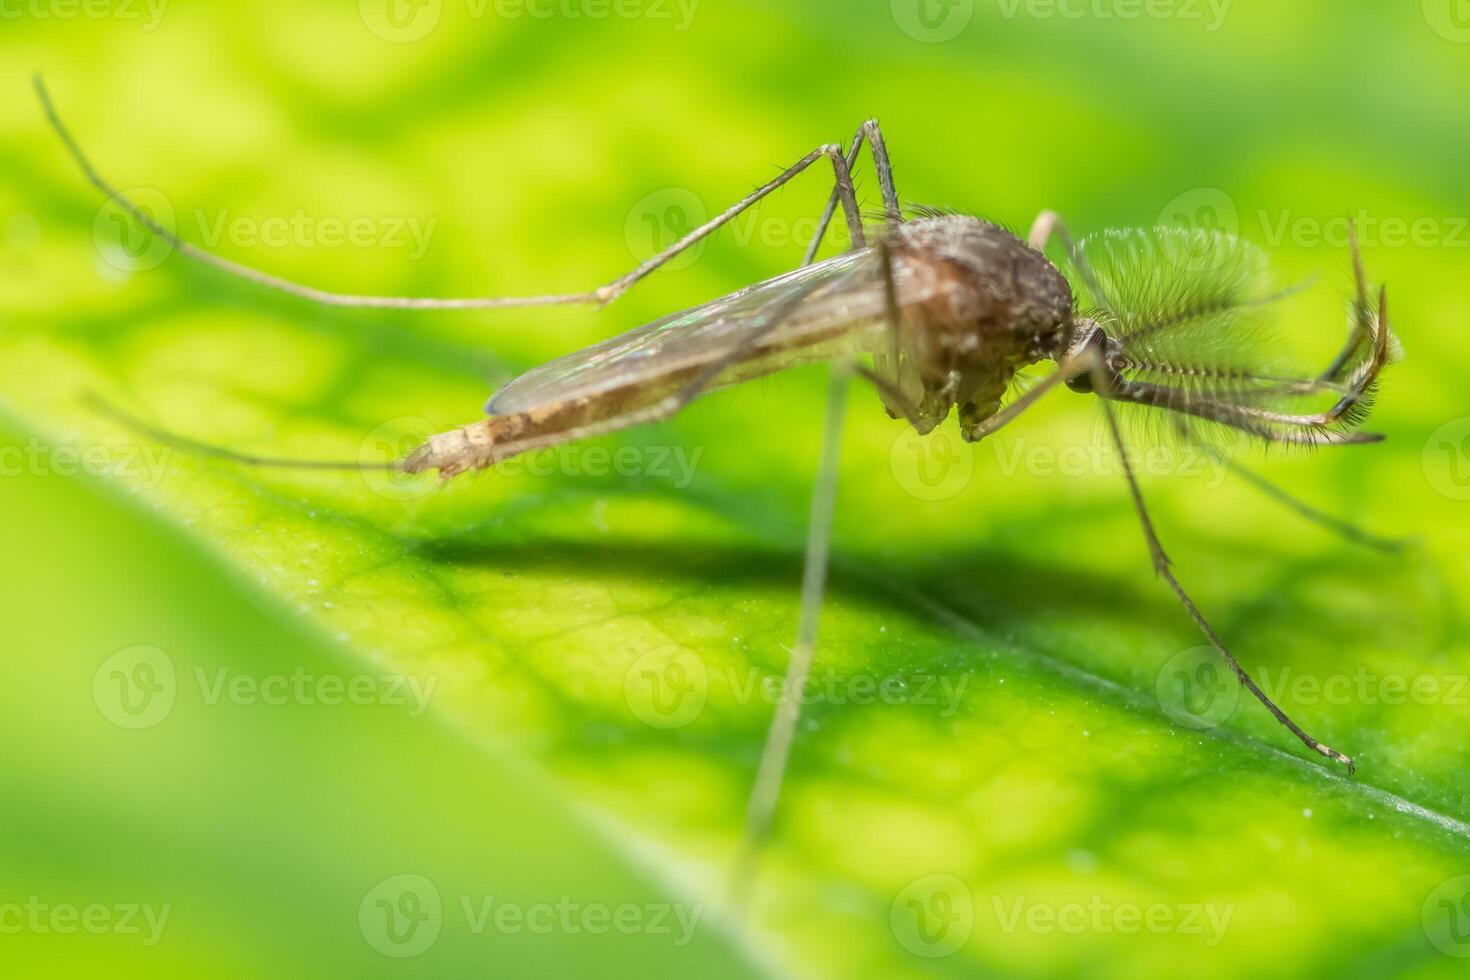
[939, 313]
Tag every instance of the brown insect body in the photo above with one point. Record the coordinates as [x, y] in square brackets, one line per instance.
[992, 305]
[1004, 306]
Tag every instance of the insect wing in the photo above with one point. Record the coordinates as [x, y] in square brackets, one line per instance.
[802, 316]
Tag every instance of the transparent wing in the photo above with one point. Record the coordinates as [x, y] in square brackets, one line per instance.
[807, 315]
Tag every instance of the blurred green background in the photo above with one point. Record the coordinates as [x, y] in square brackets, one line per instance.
[484, 147]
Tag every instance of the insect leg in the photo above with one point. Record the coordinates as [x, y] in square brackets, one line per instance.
[766, 792]
[868, 132]
[1362, 310]
[888, 378]
[1302, 430]
[1162, 566]
[776, 753]
[602, 295]
[1049, 223]
[197, 448]
[1353, 374]
[473, 446]
[1337, 525]
[1074, 368]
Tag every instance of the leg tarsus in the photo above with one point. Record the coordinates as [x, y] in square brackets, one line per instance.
[1162, 567]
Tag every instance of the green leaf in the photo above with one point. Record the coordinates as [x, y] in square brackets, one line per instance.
[991, 778]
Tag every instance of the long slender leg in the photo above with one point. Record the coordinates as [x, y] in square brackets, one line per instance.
[1304, 433]
[868, 132]
[1362, 310]
[1049, 223]
[890, 387]
[1163, 566]
[472, 446]
[1353, 381]
[1344, 529]
[1306, 510]
[766, 792]
[1337, 525]
[1090, 362]
[1303, 430]
[605, 294]
[197, 448]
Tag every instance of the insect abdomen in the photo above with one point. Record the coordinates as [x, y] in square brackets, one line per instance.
[477, 445]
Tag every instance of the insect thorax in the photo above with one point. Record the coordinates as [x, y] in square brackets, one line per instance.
[1004, 305]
